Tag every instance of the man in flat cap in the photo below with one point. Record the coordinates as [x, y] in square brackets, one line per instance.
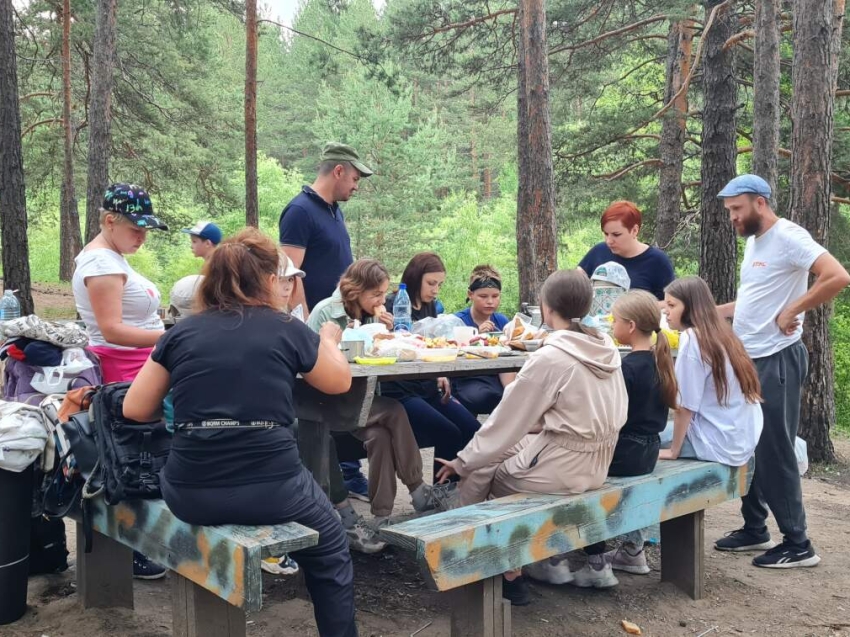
[312, 226]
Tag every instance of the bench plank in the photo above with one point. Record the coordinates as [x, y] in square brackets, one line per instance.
[466, 545]
[224, 560]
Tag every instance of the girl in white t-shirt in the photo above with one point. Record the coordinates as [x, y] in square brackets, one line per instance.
[719, 416]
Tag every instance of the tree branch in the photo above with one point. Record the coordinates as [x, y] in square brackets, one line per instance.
[609, 34]
[31, 127]
[468, 23]
[627, 169]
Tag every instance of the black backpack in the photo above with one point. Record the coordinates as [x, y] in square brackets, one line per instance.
[130, 453]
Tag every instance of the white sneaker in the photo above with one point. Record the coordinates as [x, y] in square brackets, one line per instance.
[554, 570]
[364, 539]
[596, 573]
[279, 565]
[621, 560]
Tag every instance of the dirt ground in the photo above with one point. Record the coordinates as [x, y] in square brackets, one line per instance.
[392, 600]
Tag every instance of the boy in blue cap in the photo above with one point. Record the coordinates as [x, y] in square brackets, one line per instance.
[205, 238]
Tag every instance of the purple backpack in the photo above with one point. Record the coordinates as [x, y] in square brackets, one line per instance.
[18, 380]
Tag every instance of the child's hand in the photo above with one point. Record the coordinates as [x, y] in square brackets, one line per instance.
[386, 318]
[445, 388]
[486, 327]
[667, 454]
[450, 468]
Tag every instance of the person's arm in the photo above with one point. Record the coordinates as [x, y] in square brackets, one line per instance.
[681, 422]
[506, 378]
[143, 402]
[831, 279]
[331, 374]
[726, 311]
[105, 294]
[297, 298]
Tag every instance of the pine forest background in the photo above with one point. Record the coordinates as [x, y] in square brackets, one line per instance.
[427, 91]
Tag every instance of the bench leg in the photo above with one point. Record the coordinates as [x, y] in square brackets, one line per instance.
[682, 552]
[196, 612]
[104, 576]
[478, 610]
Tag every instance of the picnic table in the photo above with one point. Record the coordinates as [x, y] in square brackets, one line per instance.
[320, 413]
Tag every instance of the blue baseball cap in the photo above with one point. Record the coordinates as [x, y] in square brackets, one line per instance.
[205, 230]
[745, 185]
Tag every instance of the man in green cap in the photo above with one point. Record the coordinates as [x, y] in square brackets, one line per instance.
[314, 237]
[312, 226]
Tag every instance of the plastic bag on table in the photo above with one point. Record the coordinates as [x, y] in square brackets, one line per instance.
[436, 327]
[801, 449]
[402, 347]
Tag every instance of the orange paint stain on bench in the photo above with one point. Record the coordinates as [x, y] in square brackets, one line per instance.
[125, 517]
[609, 501]
[237, 596]
[538, 547]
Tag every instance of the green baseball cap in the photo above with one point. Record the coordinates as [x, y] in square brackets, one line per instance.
[334, 151]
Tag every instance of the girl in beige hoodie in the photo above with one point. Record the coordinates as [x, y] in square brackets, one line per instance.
[556, 427]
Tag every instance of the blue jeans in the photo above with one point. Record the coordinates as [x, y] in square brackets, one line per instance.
[447, 427]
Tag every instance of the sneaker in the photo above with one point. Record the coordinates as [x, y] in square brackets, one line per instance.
[143, 568]
[421, 499]
[596, 573]
[745, 540]
[517, 591]
[445, 496]
[554, 570]
[787, 555]
[358, 486]
[284, 565]
[621, 560]
[364, 539]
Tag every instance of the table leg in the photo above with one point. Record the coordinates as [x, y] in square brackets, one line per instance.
[313, 439]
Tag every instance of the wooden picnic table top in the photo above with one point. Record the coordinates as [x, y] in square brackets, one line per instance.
[460, 367]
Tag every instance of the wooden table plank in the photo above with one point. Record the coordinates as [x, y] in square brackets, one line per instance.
[465, 545]
[460, 367]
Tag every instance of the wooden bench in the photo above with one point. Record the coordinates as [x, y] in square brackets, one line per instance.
[466, 550]
[215, 570]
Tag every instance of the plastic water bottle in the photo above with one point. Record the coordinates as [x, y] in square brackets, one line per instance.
[10, 308]
[401, 309]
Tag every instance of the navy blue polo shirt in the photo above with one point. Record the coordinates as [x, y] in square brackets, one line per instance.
[310, 222]
[650, 271]
[498, 319]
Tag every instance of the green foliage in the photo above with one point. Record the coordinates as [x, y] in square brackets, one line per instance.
[840, 334]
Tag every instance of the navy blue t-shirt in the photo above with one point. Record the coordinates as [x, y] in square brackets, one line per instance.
[498, 319]
[650, 271]
[310, 222]
[227, 365]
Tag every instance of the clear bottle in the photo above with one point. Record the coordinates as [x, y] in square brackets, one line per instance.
[401, 310]
[10, 307]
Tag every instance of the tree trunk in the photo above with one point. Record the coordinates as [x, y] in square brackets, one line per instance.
[13, 207]
[673, 132]
[537, 254]
[766, 75]
[100, 112]
[718, 245]
[70, 242]
[817, 37]
[252, 211]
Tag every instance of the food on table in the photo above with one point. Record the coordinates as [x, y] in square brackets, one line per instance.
[370, 360]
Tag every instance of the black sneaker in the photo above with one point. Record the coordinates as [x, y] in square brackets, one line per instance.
[745, 540]
[516, 591]
[143, 568]
[787, 555]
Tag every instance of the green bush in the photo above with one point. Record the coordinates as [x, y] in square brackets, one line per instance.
[840, 333]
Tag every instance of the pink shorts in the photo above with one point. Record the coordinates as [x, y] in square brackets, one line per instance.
[119, 365]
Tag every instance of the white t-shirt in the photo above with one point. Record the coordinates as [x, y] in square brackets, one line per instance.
[720, 433]
[139, 303]
[774, 272]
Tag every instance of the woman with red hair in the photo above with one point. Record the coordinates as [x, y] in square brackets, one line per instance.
[649, 268]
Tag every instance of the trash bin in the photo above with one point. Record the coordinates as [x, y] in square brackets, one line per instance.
[15, 510]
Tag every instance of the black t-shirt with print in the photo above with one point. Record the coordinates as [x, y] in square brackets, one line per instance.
[239, 366]
[647, 411]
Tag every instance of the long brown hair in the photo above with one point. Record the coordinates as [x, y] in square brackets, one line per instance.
[239, 274]
[569, 294]
[715, 337]
[362, 275]
[641, 308]
[420, 265]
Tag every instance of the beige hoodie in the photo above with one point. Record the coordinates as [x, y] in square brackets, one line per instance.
[572, 390]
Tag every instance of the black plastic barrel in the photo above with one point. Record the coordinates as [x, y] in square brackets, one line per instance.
[15, 511]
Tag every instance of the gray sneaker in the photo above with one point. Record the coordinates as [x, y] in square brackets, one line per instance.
[422, 499]
[364, 539]
[445, 496]
[621, 560]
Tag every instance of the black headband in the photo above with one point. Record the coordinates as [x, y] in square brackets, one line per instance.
[486, 282]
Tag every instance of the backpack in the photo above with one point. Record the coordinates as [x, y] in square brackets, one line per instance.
[130, 454]
[48, 546]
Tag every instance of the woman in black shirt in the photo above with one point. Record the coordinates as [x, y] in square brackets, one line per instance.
[234, 459]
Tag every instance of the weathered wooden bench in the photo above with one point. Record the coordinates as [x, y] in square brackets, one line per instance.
[465, 551]
[215, 570]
